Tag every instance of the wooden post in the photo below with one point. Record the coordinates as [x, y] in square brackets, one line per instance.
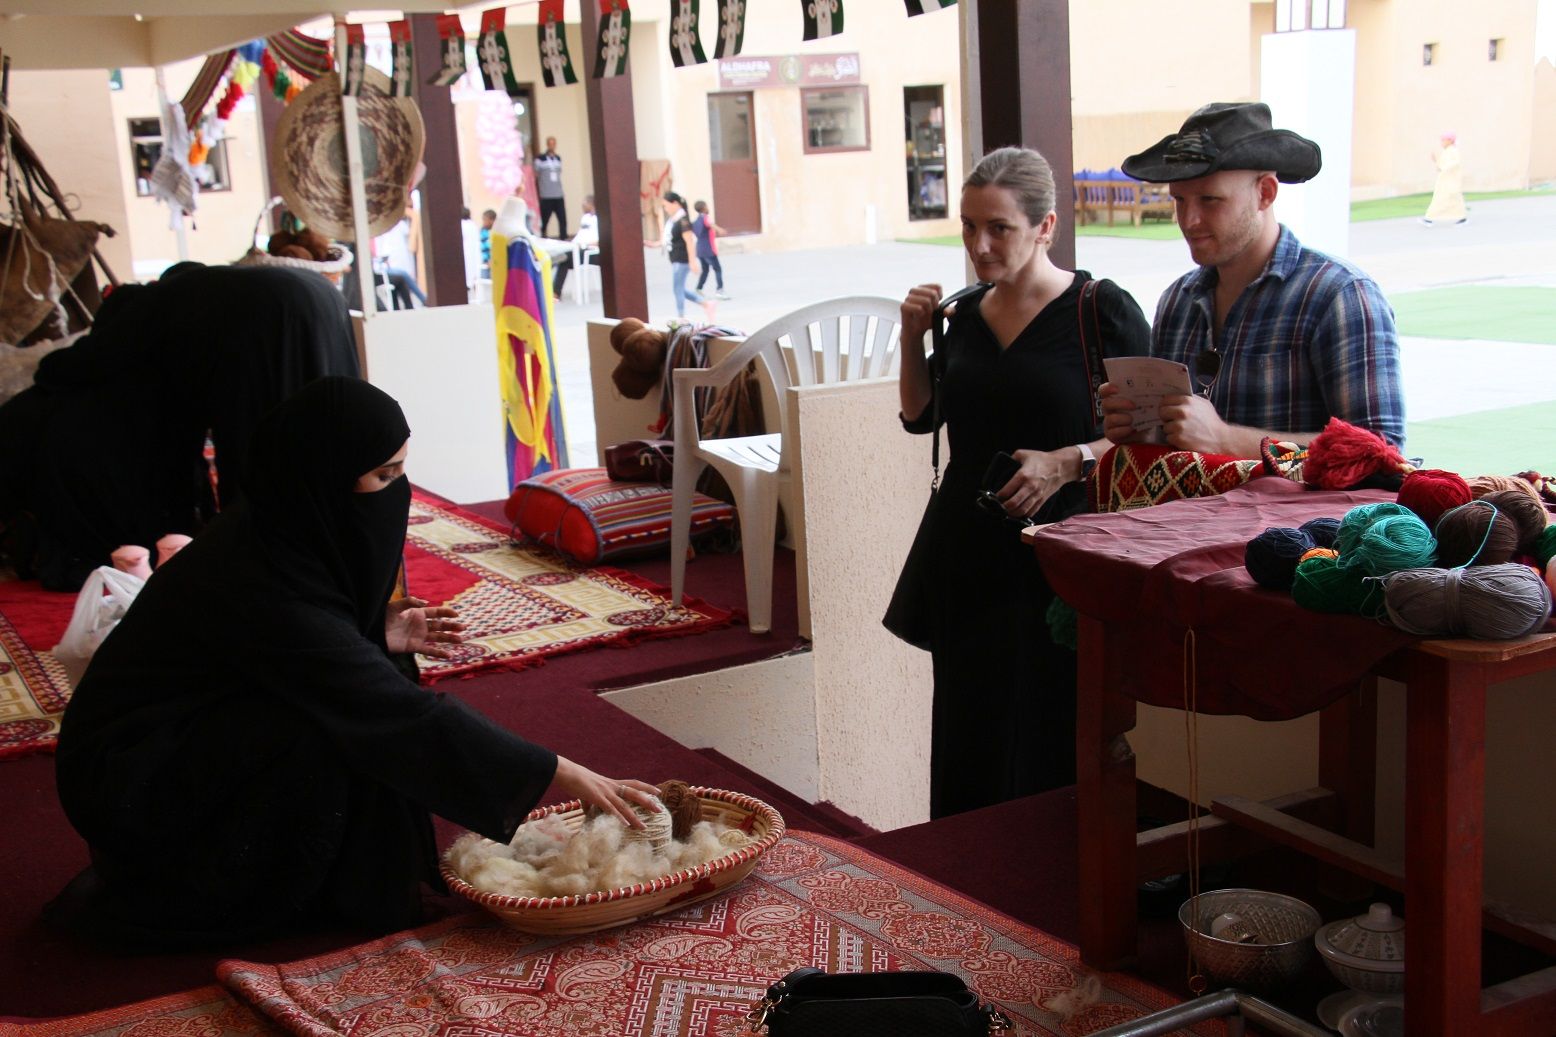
[613, 144]
[442, 189]
[351, 126]
[270, 109]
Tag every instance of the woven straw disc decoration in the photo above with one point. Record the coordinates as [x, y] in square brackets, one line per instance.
[308, 160]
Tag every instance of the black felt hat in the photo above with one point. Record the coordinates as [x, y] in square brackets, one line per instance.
[1227, 136]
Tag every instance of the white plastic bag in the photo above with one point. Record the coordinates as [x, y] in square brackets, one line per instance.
[105, 598]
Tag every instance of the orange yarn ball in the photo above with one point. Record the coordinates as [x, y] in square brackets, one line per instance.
[1319, 552]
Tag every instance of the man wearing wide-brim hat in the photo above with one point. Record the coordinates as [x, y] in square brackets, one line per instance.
[1278, 338]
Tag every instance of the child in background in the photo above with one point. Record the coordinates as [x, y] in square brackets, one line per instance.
[707, 248]
[488, 218]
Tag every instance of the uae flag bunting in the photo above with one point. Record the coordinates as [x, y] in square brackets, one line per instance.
[917, 7]
[492, 52]
[400, 49]
[732, 28]
[452, 35]
[615, 33]
[822, 18]
[556, 64]
[356, 60]
[685, 40]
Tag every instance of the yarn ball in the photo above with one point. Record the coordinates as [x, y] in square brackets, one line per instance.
[1392, 543]
[1318, 552]
[1481, 485]
[1356, 521]
[1061, 624]
[682, 805]
[1544, 547]
[642, 350]
[1527, 514]
[1491, 602]
[1344, 455]
[1476, 533]
[1322, 531]
[1550, 579]
[1431, 491]
[657, 830]
[1322, 586]
[1271, 557]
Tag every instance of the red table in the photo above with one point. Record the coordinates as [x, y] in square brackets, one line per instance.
[1165, 585]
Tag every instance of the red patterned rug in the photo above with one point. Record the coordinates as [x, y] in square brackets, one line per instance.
[813, 901]
[33, 685]
[521, 604]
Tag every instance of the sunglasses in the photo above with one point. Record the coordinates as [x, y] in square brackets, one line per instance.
[1207, 365]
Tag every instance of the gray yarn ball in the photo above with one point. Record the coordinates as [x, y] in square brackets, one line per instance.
[1488, 602]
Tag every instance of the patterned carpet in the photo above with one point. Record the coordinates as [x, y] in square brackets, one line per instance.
[33, 685]
[813, 901]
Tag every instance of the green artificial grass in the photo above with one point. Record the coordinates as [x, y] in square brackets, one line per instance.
[1488, 442]
[1505, 313]
[1415, 204]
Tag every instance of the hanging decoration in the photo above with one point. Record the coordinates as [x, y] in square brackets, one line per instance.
[822, 18]
[306, 55]
[534, 438]
[275, 75]
[615, 33]
[452, 33]
[685, 39]
[501, 146]
[403, 74]
[917, 7]
[492, 52]
[732, 28]
[205, 83]
[356, 60]
[555, 62]
[199, 151]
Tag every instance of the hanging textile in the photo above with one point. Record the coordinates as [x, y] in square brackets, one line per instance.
[555, 62]
[403, 74]
[732, 28]
[822, 18]
[205, 83]
[615, 32]
[452, 33]
[685, 39]
[307, 56]
[356, 60]
[492, 52]
[917, 7]
[533, 435]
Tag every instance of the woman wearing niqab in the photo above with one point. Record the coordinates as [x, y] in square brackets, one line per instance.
[243, 753]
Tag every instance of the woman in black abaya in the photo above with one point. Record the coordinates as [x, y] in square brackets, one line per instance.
[243, 755]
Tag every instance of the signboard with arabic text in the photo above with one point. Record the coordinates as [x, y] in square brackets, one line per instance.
[754, 73]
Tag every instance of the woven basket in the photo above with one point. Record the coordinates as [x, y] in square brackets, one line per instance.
[591, 912]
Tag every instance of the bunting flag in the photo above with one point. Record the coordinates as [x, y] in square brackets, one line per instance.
[356, 60]
[204, 86]
[526, 363]
[556, 63]
[685, 40]
[307, 56]
[404, 73]
[917, 7]
[452, 33]
[822, 18]
[732, 28]
[615, 33]
[492, 52]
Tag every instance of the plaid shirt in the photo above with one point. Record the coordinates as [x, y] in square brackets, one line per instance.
[1312, 337]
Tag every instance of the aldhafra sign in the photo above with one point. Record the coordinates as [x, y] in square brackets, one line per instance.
[745, 73]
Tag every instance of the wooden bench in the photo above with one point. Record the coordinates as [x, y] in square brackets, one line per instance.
[1095, 197]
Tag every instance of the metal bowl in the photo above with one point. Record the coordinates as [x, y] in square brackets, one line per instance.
[1283, 928]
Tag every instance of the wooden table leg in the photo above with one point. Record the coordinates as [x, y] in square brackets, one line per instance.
[1105, 780]
[1444, 824]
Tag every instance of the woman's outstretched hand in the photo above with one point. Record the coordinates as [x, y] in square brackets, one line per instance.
[410, 625]
[616, 796]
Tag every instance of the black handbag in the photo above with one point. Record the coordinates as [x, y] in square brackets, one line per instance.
[810, 1002]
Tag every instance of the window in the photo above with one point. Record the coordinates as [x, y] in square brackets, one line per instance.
[1494, 50]
[924, 126]
[836, 118]
[146, 149]
[1428, 53]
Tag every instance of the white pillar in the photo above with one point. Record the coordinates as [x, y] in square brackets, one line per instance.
[1309, 81]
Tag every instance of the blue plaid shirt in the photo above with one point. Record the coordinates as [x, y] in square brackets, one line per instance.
[1311, 338]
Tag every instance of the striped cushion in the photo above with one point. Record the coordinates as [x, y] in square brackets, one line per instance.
[587, 516]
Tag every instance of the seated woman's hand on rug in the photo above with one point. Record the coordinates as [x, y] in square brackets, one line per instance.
[411, 625]
[617, 796]
[1042, 474]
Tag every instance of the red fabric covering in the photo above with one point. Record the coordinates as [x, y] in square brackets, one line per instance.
[1141, 475]
[1152, 575]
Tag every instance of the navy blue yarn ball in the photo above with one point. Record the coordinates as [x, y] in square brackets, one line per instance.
[1271, 557]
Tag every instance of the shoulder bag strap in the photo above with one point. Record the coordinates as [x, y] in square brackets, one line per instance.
[937, 336]
[1091, 345]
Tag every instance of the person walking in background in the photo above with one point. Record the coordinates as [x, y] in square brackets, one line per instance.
[548, 181]
[679, 242]
[706, 232]
[588, 237]
[1448, 194]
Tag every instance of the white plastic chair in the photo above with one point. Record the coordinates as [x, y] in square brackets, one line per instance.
[583, 270]
[839, 340]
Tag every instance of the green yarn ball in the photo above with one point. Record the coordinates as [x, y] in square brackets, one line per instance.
[1392, 543]
[1545, 546]
[1061, 623]
[1321, 585]
[1358, 519]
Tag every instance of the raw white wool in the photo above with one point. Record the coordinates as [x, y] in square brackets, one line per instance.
[546, 860]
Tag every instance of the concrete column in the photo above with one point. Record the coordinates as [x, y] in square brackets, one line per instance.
[613, 151]
[1308, 79]
[442, 189]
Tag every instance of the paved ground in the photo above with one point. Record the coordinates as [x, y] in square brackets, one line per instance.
[1506, 242]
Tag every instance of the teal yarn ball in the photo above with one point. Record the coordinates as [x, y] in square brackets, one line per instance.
[1356, 521]
[1392, 543]
[1545, 546]
[1322, 586]
[1061, 623]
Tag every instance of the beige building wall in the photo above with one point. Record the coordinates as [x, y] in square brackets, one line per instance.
[1542, 150]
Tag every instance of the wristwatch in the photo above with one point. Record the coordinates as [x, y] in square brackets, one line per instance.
[1088, 461]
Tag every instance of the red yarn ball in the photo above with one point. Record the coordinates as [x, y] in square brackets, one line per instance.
[1344, 455]
[1432, 491]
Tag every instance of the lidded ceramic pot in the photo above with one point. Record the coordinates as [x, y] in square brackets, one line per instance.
[1367, 952]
